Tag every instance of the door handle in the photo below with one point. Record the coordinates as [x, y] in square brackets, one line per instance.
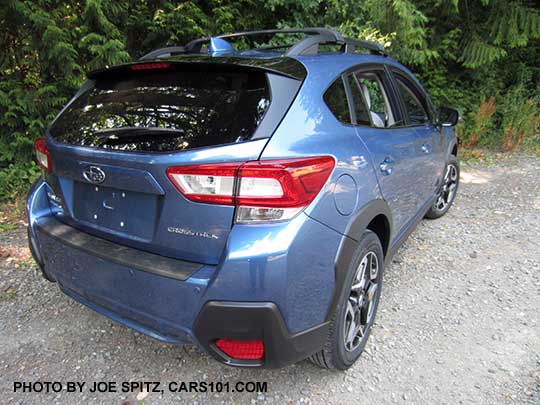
[425, 148]
[386, 166]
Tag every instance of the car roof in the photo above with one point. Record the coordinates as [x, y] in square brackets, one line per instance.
[327, 66]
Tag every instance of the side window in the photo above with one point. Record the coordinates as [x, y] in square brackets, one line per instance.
[418, 115]
[362, 114]
[370, 85]
[336, 100]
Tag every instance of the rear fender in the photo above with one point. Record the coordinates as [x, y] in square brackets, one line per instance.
[37, 206]
[349, 244]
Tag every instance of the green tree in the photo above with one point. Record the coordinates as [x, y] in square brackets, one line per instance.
[463, 50]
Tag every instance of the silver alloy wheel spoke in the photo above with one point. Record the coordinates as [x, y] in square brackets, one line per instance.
[350, 325]
[352, 333]
[359, 279]
[360, 305]
[372, 292]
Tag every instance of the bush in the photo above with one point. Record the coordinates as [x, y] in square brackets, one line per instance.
[480, 122]
[15, 179]
[513, 122]
[520, 120]
[48, 46]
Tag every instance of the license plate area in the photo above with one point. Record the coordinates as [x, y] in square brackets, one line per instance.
[127, 212]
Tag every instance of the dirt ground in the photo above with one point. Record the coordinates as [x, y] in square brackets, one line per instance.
[459, 320]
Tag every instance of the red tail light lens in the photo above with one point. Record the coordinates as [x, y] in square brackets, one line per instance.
[299, 180]
[42, 154]
[261, 190]
[242, 349]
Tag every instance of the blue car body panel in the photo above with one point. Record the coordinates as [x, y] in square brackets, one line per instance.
[290, 264]
[145, 174]
[274, 262]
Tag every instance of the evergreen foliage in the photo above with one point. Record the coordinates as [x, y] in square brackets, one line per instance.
[465, 51]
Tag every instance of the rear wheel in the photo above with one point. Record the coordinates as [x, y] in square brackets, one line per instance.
[355, 313]
[448, 191]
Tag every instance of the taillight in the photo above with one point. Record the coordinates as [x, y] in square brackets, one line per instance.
[42, 154]
[211, 184]
[241, 349]
[268, 190]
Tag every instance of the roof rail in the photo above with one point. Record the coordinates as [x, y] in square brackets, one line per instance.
[352, 44]
[331, 35]
[310, 45]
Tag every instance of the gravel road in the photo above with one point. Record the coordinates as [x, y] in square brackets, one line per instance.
[459, 320]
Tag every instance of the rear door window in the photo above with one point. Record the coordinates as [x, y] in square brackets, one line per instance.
[360, 108]
[166, 111]
[414, 102]
[377, 100]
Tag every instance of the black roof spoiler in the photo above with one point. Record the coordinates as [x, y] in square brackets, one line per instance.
[282, 66]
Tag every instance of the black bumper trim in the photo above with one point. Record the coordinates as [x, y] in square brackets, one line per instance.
[256, 321]
[114, 252]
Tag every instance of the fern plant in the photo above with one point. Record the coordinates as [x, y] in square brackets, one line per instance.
[464, 50]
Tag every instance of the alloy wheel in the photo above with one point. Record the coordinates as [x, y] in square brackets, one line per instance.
[361, 303]
[449, 187]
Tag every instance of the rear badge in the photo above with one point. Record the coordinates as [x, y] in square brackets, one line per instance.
[189, 232]
[94, 175]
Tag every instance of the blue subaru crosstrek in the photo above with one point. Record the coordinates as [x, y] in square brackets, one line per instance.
[240, 197]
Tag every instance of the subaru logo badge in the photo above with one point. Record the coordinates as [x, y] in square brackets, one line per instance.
[94, 175]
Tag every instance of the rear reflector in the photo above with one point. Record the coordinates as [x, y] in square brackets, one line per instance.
[150, 66]
[268, 190]
[42, 154]
[242, 349]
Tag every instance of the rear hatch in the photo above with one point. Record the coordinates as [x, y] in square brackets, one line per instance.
[113, 143]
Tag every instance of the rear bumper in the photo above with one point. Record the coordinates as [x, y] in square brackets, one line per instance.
[232, 320]
[113, 252]
[256, 321]
[152, 302]
[279, 294]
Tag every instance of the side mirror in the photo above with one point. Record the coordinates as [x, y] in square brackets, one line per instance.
[448, 117]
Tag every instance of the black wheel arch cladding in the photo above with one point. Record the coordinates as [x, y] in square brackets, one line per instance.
[349, 244]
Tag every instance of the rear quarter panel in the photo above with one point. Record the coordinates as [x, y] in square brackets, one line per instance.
[309, 129]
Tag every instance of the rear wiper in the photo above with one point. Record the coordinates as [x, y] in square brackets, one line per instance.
[117, 133]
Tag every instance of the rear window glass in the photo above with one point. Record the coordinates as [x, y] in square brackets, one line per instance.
[166, 111]
[336, 100]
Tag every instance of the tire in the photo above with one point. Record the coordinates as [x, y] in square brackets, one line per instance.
[340, 351]
[448, 191]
